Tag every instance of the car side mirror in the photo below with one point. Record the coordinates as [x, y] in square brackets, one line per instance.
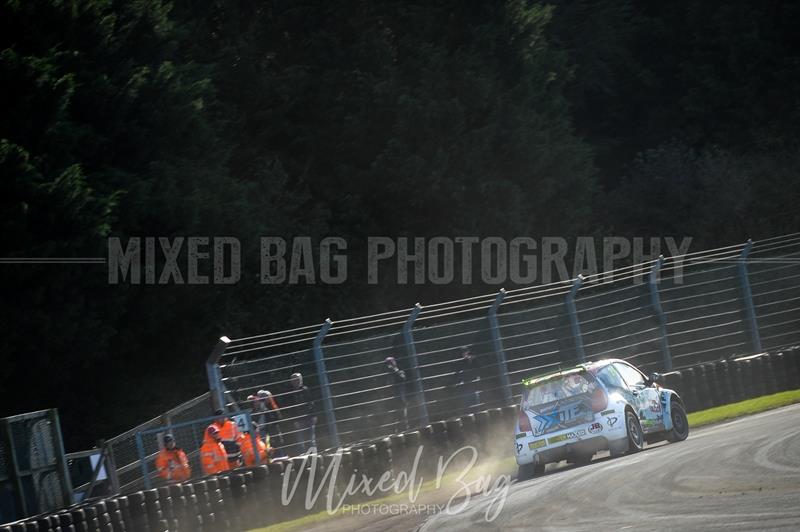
[656, 378]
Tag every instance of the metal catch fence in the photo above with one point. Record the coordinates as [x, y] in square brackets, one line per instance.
[665, 314]
[124, 449]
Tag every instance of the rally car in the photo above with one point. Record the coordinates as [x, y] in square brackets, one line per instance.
[606, 405]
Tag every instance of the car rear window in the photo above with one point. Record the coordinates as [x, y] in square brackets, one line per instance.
[558, 388]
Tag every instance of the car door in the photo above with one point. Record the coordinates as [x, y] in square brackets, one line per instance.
[646, 398]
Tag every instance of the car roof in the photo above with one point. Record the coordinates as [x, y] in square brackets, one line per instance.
[577, 368]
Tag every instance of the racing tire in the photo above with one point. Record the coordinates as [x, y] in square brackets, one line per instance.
[581, 459]
[528, 471]
[616, 449]
[635, 437]
[680, 423]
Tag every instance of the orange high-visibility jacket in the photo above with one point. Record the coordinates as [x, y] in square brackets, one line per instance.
[228, 430]
[173, 465]
[249, 456]
[213, 457]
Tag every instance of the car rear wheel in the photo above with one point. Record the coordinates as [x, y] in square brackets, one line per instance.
[635, 433]
[618, 448]
[581, 458]
[680, 423]
[527, 471]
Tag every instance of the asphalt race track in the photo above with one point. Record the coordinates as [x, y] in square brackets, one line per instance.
[740, 475]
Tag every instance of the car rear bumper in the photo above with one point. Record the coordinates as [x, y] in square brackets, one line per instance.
[587, 446]
[582, 439]
[564, 452]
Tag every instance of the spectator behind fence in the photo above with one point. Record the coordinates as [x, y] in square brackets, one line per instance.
[300, 410]
[259, 408]
[213, 456]
[246, 444]
[171, 462]
[270, 415]
[396, 381]
[466, 379]
[229, 436]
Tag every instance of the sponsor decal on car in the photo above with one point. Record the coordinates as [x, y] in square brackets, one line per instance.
[595, 428]
[567, 436]
[545, 421]
[607, 412]
[536, 444]
[559, 416]
[520, 435]
[519, 448]
[655, 406]
[611, 421]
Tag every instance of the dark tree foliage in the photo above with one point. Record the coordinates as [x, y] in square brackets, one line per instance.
[354, 119]
[664, 91]
[110, 132]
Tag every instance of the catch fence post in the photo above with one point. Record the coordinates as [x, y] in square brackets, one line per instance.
[324, 385]
[655, 299]
[411, 351]
[66, 484]
[111, 468]
[747, 297]
[142, 460]
[497, 342]
[215, 385]
[573, 318]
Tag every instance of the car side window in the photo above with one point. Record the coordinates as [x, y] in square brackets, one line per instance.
[610, 377]
[633, 378]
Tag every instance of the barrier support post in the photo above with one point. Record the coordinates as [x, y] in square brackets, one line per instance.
[111, 469]
[215, 385]
[497, 343]
[573, 318]
[66, 484]
[324, 385]
[142, 460]
[747, 297]
[411, 351]
[655, 299]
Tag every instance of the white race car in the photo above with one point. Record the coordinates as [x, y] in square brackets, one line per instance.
[573, 413]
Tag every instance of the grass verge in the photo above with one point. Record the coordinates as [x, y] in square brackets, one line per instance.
[743, 408]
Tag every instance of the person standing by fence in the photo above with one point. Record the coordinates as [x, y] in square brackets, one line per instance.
[301, 412]
[213, 456]
[396, 381]
[246, 443]
[229, 436]
[466, 379]
[269, 418]
[171, 462]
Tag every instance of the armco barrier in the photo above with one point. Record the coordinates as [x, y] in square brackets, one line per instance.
[251, 497]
